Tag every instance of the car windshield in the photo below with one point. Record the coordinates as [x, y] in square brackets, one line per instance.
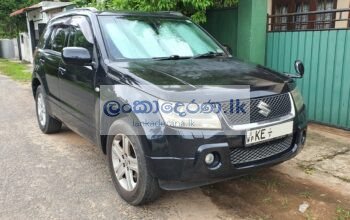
[154, 37]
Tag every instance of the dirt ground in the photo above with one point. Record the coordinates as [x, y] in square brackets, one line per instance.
[63, 176]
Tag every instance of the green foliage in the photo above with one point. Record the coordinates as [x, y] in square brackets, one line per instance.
[9, 26]
[85, 3]
[193, 8]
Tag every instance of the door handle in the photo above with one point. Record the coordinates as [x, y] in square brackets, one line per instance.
[61, 70]
[41, 60]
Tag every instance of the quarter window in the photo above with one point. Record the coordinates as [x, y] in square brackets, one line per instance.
[44, 38]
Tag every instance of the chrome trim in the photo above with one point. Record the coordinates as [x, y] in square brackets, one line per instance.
[274, 121]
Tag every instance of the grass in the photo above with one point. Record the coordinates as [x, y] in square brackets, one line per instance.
[342, 214]
[15, 70]
[267, 200]
[309, 216]
[305, 194]
[343, 178]
[271, 184]
[284, 202]
[308, 169]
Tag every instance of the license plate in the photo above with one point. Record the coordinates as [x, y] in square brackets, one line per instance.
[255, 136]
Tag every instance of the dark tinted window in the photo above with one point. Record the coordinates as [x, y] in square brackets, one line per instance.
[44, 38]
[81, 34]
[59, 38]
[77, 39]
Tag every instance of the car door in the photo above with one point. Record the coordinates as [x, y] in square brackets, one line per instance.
[77, 85]
[50, 58]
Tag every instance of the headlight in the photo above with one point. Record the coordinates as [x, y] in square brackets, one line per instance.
[187, 115]
[298, 99]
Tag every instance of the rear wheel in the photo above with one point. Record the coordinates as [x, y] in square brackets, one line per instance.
[46, 123]
[128, 168]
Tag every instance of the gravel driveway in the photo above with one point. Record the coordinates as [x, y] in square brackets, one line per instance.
[64, 176]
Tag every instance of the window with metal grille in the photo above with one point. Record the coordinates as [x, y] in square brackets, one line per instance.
[302, 14]
[324, 21]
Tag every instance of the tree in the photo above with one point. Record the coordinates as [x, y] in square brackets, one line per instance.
[193, 8]
[9, 26]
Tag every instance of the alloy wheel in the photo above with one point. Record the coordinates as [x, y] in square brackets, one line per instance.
[125, 162]
[41, 108]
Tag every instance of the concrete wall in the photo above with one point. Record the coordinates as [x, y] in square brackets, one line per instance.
[342, 4]
[251, 39]
[8, 48]
[25, 47]
[39, 17]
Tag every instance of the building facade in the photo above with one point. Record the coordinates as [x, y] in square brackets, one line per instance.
[37, 17]
[331, 14]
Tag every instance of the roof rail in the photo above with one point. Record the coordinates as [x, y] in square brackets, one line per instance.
[92, 9]
[177, 13]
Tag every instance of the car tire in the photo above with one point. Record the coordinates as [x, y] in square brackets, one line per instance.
[47, 124]
[146, 188]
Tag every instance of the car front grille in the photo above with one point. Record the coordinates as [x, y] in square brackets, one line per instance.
[280, 105]
[244, 155]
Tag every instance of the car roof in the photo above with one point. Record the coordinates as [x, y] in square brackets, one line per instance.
[172, 14]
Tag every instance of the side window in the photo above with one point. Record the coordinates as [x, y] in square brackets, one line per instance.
[59, 38]
[81, 34]
[77, 39]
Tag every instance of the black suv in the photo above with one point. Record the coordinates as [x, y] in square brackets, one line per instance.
[99, 73]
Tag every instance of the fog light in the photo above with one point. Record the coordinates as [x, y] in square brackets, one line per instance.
[209, 158]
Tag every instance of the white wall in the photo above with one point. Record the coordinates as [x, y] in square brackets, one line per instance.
[25, 47]
[37, 17]
[340, 5]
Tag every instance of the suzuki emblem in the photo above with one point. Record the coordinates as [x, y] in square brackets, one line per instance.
[264, 108]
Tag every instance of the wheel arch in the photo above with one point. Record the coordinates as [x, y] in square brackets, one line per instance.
[35, 84]
[114, 127]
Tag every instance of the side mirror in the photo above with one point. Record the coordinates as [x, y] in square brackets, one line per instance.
[76, 56]
[299, 67]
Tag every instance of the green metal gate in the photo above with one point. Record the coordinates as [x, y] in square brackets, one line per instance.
[326, 84]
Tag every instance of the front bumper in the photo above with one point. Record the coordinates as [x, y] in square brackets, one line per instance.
[185, 167]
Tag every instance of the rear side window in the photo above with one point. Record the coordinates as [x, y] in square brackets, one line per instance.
[58, 37]
[44, 38]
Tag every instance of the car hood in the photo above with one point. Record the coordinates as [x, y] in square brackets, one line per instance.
[198, 75]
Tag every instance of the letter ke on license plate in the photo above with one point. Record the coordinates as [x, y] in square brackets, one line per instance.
[263, 134]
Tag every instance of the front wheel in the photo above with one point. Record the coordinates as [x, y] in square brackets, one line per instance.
[128, 168]
[47, 123]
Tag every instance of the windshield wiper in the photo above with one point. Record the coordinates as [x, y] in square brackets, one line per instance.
[209, 54]
[172, 57]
